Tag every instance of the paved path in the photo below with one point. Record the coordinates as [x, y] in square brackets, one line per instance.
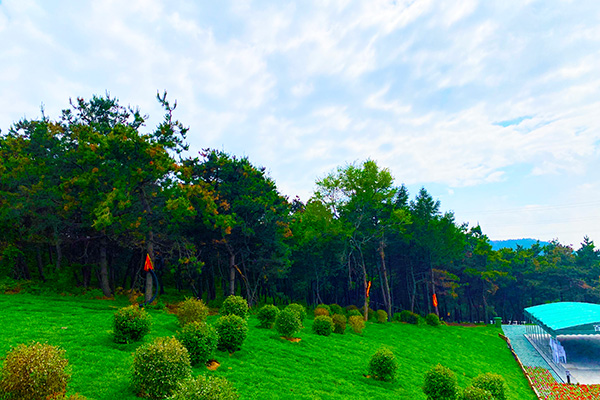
[526, 352]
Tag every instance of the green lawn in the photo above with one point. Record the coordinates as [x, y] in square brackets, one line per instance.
[267, 367]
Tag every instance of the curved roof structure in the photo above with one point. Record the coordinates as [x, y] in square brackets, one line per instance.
[567, 318]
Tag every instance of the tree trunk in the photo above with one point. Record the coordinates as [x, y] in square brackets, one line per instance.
[104, 284]
[149, 283]
[385, 287]
[231, 271]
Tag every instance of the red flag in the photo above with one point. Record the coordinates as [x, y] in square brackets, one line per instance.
[368, 288]
[148, 264]
[435, 303]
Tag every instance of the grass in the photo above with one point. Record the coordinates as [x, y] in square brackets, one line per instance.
[267, 367]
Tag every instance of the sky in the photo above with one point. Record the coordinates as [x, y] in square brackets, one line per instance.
[492, 106]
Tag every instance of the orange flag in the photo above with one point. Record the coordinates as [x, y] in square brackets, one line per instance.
[148, 264]
[435, 303]
[368, 288]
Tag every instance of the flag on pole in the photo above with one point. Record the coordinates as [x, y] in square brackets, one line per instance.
[435, 303]
[368, 288]
[148, 264]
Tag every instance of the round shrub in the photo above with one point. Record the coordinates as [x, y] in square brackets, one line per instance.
[131, 324]
[409, 317]
[159, 366]
[323, 325]
[372, 315]
[200, 340]
[320, 311]
[336, 309]
[357, 323]
[339, 323]
[440, 383]
[33, 372]
[205, 388]
[232, 330]
[383, 365]
[492, 383]
[287, 323]
[299, 310]
[382, 316]
[351, 307]
[475, 393]
[191, 310]
[432, 320]
[326, 307]
[235, 305]
[354, 313]
[267, 315]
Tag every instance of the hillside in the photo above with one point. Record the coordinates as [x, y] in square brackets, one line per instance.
[513, 243]
[267, 367]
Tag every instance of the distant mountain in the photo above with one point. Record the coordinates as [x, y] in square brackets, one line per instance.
[512, 243]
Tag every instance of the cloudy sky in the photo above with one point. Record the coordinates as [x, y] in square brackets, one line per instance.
[492, 106]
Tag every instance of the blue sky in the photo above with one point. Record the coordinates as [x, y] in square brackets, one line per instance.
[492, 106]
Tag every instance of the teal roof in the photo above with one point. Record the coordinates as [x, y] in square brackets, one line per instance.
[567, 318]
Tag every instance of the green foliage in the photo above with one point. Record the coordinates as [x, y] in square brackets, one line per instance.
[159, 366]
[205, 387]
[326, 307]
[267, 315]
[432, 319]
[339, 323]
[383, 365]
[354, 312]
[336, 309]
[191, 310]
[299, 310]
[493, 383]
[440, 384]
[287, 323]
[34, 372]
[382, 316]
[475, 393]
[321, 311]
[357, 323]
[200, 340]
[372, 315]
[323, 325]
[232, 330]
[236, 305]
[409, 317]
[131, 324]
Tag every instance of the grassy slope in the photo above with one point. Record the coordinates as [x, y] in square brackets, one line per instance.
[267, 367]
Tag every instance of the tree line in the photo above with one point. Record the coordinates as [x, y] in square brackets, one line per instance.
[85, 197]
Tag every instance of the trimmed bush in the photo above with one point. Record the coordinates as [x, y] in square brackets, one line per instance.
[409, 317]
[323, 325]
[205, 388]
[440, 383]
[339, 323]
[200, 340]
[159, 366]
[232, 330]
[299, 310]
[372, 315]
[493, 383]
[336, 309]
[33, 372]
[320, 311]
[353, 313]
[383, 365]
[235, 305]
[475, 393]
[131, 324]
[351, 307]
[267, 315]
[191, 310]
[357, 323]
[432, 320]
[326, 307]
[382, 316]
[287, 323]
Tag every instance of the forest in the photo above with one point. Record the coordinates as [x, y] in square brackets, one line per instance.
[85, 197]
